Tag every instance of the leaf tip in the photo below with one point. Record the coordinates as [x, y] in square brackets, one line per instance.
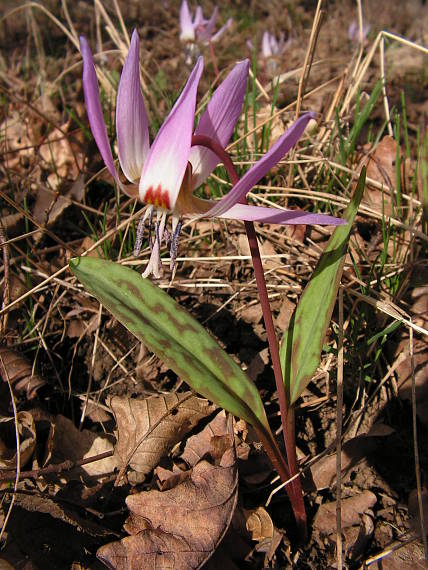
[74, 263]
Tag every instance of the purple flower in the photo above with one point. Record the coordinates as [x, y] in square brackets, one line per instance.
[198, 29]
[354, 32]
[271, 47]
[165, 174]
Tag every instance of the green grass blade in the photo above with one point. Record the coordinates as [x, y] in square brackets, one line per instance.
[363, 117]
[173, 335]
[302, 343]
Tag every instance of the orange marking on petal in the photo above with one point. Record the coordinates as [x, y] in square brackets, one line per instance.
[157, 197]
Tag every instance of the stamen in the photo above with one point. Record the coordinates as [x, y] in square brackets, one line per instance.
[139, 237]
[154, 266]
[140, 230]
[191, 54]
[176, 228]
[151, 227]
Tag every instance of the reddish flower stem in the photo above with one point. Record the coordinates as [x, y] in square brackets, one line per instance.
[294, 489]
[213, 59]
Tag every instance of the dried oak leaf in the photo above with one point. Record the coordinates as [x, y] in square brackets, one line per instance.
[408, 556]
[354, 451]
[352, 509]
[381, 168]
[147, 429]
[66, 442]
[259, 524]
[18, 369]
[181, 527]
[209, 441]
[27, 439]
[49, 206]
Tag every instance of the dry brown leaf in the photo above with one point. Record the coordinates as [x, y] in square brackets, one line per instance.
[259, 524]
[409, 556]
[95, 412]
[49, 206]
[418, 301]
[352, 509]
[381, 168]
[235, 546]
[181, 527]
[413, 506]
[242, 245]
[203, 443]
[15, 130]
[18, 369]
[359, 542]
[252, 314]
[267, 248]
[147, 429]
[66, 442]
[76, 328]
[257, 364]
[355, 450]
[285, 313]
[27, 439]
[88, 242]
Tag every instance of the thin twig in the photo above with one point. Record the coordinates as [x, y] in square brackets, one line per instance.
[54, 468]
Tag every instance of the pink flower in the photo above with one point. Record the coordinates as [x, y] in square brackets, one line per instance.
[165, 174]
[354, 32]
[198, 29]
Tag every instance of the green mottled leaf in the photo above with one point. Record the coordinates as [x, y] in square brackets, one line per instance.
[173, 335]
[303, 340]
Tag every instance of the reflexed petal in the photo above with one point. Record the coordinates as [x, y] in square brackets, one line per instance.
[281, 44]
[256, 173]
[266, 49]
[221, 31]
[131, 119]
[199, 19]
[353, 31]
[276, 216]
[187, 32]
[218, 120]
[93, 108]
[205, 29]
[273, 45]
[166, 162]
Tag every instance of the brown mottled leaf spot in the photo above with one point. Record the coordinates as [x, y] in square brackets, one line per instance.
[175, 323]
